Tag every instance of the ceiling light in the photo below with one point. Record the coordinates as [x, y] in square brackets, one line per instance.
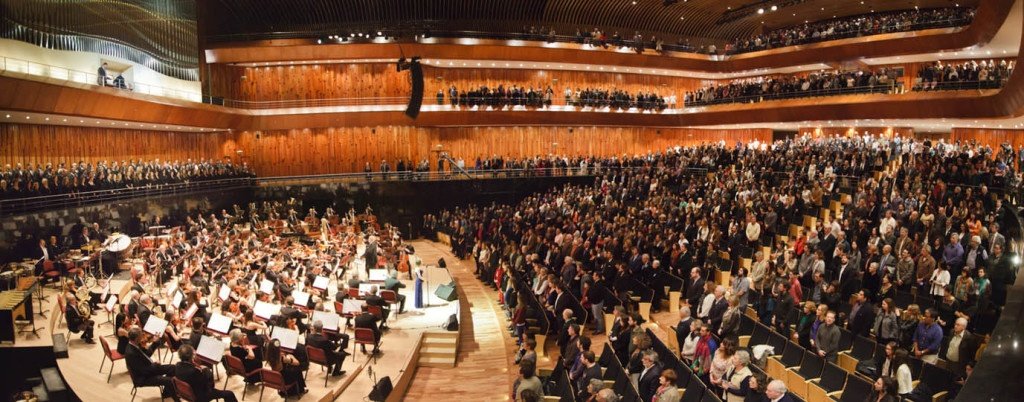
[774, 8]
[760, 11]
[8, 116]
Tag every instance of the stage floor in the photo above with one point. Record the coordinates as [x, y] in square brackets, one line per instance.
[80, 369]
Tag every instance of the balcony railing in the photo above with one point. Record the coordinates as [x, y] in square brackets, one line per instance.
[20, 205]
[90, 78]
[892, 88]
[960, 85]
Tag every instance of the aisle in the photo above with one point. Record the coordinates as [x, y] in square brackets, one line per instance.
[481, 372]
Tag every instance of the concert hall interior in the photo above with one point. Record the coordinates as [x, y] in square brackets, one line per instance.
[532, 200]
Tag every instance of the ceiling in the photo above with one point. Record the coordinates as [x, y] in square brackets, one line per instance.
[718, 20]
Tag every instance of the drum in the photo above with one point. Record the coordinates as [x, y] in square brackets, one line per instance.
[118, 242]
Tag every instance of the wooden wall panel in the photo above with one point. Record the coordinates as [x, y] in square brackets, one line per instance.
[27, 143]
[990, 137]
[332, 81]
[340, 150]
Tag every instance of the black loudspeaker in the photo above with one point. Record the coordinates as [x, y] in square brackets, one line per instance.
[381, 390]
[416, 99]
[447, 292]
[452, 324]
[441, 263]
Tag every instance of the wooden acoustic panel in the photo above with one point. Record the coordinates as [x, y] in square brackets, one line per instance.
[348, 149]
[993, 138]
[41, 144]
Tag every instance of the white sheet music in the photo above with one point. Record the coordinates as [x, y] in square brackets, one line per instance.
[171, 287]
[219, 323]
[289, 338]
[178, 296]
[111, 304]
[191, 311]
[378, 275]
[267, 287]
[352, 306]
[155, 326]
[321, 282]
[364, 288]
[265, 310]
[224, 293]
[301, 298]
[211, 348]
[329, 319]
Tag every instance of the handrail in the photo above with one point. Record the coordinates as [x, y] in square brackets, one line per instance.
[960, 85]
[19, 205]
[891, 88]
[89, 78]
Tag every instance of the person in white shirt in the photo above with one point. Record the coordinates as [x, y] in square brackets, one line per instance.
[939, 280]
[887, 225]
[705, 305]
[904, 380]
[753, 229]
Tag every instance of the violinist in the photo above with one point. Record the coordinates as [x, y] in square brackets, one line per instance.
[245, 352]
[123, 322]
[198, 377]
[142, 368]
[175, 328]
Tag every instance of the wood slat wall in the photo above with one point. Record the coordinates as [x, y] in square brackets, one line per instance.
[28, 143]
[329, 81]
[991, 137]
[347, 149]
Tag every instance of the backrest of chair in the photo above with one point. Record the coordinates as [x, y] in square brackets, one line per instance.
[364, 335]
[845, 339]
[777, 341]
[353, 293]
[48, 266]
[811, 366]
[792, 356]
[234, 365]
[759, 336]
[747, 325]
[316, 355]
[61, 303]
[106, 346]
[694, 392]
[710, 397]
[863, 348]
[937, 378]
[389, 296]
[833, 377]
[271, 378]
[857, 390]
[339, 307]
[375, 310]
[915, 365]
[184, 390]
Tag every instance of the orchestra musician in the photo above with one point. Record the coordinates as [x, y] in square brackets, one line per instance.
[245, 352]
[198, 377]
[77, 323]
[143, 370]
[334, 351]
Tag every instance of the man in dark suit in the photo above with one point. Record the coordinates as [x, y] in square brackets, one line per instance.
[696, 289]
[683, 327]
[373, 299]
[290, 311]
[369, 321]
[198, 377]
[143, 370]
[77, 323]
[145, 310]
[370, 255]
[862, 316]
[334, 352]
[718, 307]
[648, 382]
[966, 346]
[393, 284]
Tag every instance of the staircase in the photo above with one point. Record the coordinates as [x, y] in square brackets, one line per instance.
[439, 349]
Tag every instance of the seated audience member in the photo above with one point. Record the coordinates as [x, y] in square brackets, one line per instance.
[198, 377]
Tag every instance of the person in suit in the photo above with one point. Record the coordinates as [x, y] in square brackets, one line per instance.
[683, 327]
[144, 371]
[373, 299]
[696, 289]
[290, 311]
[41, 254]
[776, 391]
[648, 383]
[369, 321]
[862, 316]
[145, 309]
[959, 347]
[667, 390]
[370, 254]
[393, 284]
[334, 351]
[198, 377]
[77, 323]
[718, 307]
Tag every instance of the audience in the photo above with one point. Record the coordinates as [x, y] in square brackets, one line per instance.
[539, 97]
[23, 181]
[972, 74]
[749, 90]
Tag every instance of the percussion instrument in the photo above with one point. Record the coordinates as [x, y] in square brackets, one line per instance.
[118, 242]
